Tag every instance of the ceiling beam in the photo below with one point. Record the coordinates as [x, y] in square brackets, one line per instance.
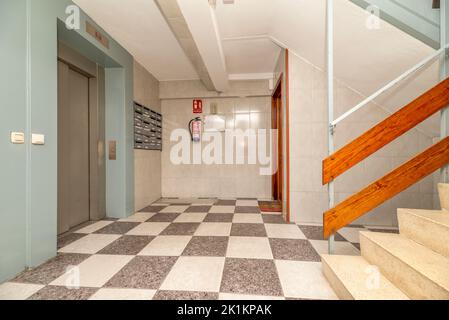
[175, 19]
[201, 21]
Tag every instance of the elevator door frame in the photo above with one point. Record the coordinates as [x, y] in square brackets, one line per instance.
[97, 160]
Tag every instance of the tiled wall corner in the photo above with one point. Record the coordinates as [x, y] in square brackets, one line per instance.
[147, 164]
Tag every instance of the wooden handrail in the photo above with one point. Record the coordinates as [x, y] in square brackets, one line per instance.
[384, 189]
[386, 131]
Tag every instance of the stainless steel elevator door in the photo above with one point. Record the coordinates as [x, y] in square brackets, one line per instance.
[73, 144]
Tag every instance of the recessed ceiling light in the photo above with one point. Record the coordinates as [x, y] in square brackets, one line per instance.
[228, 1]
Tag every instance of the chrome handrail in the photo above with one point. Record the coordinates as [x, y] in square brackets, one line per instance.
[390, 85]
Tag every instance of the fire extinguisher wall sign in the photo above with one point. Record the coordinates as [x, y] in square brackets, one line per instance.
[197, 106]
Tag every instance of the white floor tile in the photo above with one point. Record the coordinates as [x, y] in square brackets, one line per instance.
[191, 217]
[18, 291]
[249, 248]
[123, 294]
[202, 202]
[239, 297]
[247, 218]
[247, 203]
[138, 217]
[90, 244]
[341, 247]
[222, 209]
[284, 231]
[217, 229]
[304, 280]
[352, 234]
[149, 229]
[195, 274]
[94, 272]
[166, 246]
[94, 227]
[174, 209]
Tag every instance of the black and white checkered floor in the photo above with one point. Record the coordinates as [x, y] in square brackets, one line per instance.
[200, 249]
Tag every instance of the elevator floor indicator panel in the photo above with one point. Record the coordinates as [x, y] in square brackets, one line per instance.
[147, 128]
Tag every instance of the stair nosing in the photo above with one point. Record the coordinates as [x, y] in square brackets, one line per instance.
[390, 284]
[388, 251]
[415, 213]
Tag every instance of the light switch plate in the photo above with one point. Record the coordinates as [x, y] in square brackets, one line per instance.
[38, 139]
[17, 137]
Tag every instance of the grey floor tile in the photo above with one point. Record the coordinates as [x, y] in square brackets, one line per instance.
[63, 293]
[185, 295]
[316, 233]
[180, 229]
[127, 245]
[207, 247]
[248, 230]
[226, 202]
[164, 217]
[118, 228]
[297, 250]
[251, 277]
[247, 210]
[219, 217]
[198, 209]
[143, 273]
[67, 239]
[153, 209]
[52, 269]
[273, 218]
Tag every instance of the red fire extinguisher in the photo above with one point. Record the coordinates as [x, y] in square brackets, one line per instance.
[195, 129]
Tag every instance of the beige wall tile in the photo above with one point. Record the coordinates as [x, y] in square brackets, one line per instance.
[215, 180]
[308, 147]
[147, 164]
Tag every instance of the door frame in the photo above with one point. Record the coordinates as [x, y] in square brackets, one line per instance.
[282, 86]
[97, 157]
[277, 179]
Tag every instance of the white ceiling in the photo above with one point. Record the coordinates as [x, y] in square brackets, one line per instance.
[245, 17]
[258, 55]
[142, 30]
[364, 59]
[139, 26]
[244, 27]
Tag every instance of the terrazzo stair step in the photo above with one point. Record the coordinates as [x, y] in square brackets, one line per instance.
[427, 227]
[419, 272]
[443, 192]
[351, 276]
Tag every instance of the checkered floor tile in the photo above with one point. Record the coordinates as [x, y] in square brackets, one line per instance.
[203, 249]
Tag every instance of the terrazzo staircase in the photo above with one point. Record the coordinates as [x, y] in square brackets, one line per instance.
[411, 265]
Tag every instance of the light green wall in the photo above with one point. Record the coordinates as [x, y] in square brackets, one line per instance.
[29, 173]
[119, 196]
[12, 118]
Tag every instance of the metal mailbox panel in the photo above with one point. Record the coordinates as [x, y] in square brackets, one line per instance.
[147, 128]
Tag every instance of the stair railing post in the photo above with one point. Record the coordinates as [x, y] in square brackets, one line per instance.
[444, 73]
[330, 99]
